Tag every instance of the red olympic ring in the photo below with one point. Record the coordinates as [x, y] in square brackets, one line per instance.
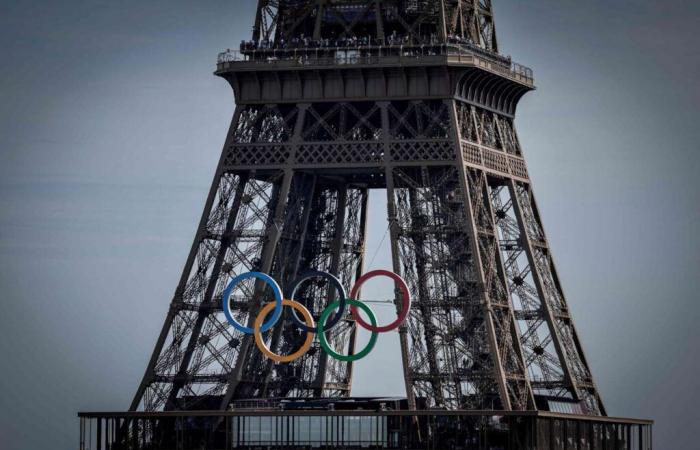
[405, 304]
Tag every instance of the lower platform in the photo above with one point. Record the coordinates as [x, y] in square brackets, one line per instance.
[361, 424]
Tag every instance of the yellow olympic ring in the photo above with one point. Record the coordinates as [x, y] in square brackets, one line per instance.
[264, 348]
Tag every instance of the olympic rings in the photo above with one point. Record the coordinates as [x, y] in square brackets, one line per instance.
[341, 304]
[258, 332]
[405, 304]
[309, 326]
[277, 291]
[322, 335]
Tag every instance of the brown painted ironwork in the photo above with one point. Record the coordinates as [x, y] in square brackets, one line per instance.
[334, 99]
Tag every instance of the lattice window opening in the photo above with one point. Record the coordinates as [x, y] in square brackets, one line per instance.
[422, 151]
[465, 118]
[191, 394]
[169, 360]
[416, 19]
[495, 286]
[155, 397]
[553, 294]
[258, 155]
[221, 206]
[450, 362]
[504, 213]
[508, 138]
[486, 125]
[269, 17]
[521, 281]
[291, 243]
[158, 396]
[240, 258]
[262, 124]
[488, 129]
[322, 229]
[477, 186]
[295, 379]
[419, 120]
[487, 34]
[524, 295]
[341, 153]
[503, 320]
[353, 243]
[255, 207]
[214, 356]
[566, 335]
[541, 354]
[357, 121]
[201, 271]
[474, 395]
[439, 206]
[534, 228]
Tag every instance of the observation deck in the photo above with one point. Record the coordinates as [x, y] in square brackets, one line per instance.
[353, 71]
[368, 424]
[371, 54]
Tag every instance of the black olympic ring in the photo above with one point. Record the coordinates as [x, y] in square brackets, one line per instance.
[342, 299]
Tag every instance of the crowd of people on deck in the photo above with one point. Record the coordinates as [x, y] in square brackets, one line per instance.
[394, 39]
[306, 42]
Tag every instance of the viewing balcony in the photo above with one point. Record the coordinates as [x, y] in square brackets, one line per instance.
[360, 54]
[377, 428]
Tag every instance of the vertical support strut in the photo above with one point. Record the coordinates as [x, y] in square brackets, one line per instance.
[571, 356]
[499, 373]
[273, 235]
[548, 314]
[226, 241]
[395, 253]
[336, 254]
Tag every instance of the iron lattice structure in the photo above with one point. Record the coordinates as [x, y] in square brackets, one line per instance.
[334, 98]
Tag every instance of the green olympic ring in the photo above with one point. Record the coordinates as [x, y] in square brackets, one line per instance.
[322, 335]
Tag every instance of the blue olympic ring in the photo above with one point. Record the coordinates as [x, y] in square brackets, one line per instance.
[276, 290]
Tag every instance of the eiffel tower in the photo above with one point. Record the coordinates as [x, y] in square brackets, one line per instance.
[333, 99]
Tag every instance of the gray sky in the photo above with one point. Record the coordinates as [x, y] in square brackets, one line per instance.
[111, 125]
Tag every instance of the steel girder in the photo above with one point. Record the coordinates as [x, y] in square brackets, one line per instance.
[421, 21]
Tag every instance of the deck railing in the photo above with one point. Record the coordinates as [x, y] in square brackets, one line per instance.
[369, 54]
[360, 429]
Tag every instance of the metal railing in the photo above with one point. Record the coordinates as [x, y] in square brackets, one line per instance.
[358, 429]
[371, 54]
